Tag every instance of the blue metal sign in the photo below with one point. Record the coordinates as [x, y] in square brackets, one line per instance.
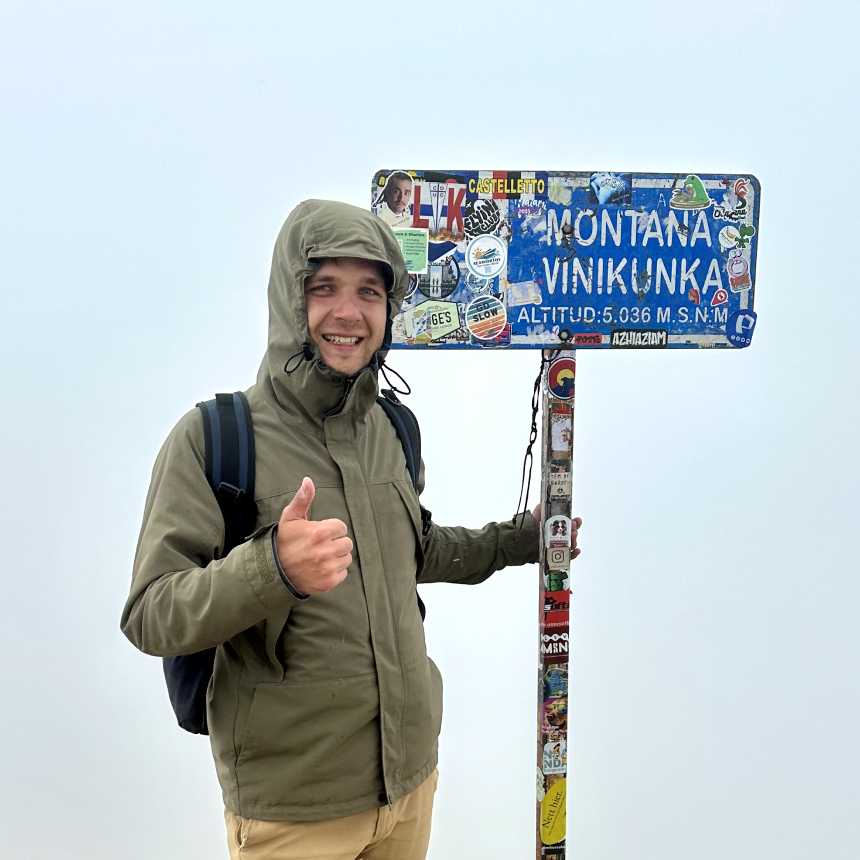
[590, 259]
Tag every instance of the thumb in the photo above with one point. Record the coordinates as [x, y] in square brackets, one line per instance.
[300, 506]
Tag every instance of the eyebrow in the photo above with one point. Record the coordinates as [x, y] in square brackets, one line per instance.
[366, 280]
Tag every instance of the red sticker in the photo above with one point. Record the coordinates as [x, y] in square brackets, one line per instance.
[720, 297]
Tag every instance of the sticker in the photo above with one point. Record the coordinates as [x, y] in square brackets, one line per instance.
[554, 716]
[720, 297]
[559, 191]
[433, 320]
[734, 205]
[486, 317]
[523, 293]
[555, 756]
[694, 296]
[553, 813]
[691, 194]
[556, 580]
[441, 278]
[555, 681]
[438, 205]
[558, 558]
[477, 285]
[393, 205]
[414, 243]
[553, 643]
[740, 328]
[503, 338]
[561, 378]
[587, 339]
[507, 184]
[557, 531]
[739, 271]
[461, 335]
[648, 338]
[486, 256]
[611, 188]
[561, 432]
[728, 238]
[482, 217]
[539, 785]
[556, 607]
[559, 481]
[531, 209]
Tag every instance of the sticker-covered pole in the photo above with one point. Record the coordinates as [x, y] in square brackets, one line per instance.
[554, 606]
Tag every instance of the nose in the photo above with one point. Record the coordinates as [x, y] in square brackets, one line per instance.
[346, 309]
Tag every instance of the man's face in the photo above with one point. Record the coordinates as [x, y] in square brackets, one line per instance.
[398, 193]
[347, 307]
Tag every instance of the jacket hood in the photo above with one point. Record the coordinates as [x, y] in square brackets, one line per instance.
[317, 230]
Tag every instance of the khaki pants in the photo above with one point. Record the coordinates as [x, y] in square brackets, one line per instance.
[399, 833]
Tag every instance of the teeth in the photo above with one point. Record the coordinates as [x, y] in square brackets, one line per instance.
[335, 338]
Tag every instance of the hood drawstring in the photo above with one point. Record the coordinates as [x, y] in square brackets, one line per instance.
[528, 459]
[304, 354]
[383, 367]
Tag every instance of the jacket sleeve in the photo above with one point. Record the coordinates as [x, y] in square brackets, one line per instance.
[469, 556]
[181, 600]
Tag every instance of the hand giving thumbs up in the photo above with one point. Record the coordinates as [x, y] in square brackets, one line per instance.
[314, 555]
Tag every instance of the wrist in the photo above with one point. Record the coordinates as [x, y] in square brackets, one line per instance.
[283, 574]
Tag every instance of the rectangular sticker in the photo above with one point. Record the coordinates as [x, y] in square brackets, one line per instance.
[414, 244]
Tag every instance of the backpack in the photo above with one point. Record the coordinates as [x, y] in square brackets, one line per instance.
[228, 435]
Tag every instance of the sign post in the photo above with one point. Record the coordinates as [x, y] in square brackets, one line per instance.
[558, 390]
[560, 261]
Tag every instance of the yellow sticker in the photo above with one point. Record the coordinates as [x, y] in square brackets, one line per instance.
[553, 813]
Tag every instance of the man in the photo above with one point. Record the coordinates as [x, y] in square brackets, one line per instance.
[324, 709]
[395, 200]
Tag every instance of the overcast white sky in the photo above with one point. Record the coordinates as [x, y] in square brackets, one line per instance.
[149, 154]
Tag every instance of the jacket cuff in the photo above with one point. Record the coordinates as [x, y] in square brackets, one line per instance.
[520, 539]
[286, 580]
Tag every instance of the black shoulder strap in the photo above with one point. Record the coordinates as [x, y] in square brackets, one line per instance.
[408, 431]
[229, 437]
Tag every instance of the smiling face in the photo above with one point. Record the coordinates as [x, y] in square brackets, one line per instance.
[347, 307]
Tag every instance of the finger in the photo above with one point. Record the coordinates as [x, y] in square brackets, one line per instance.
[300, 505]
[341, 547]
[331, 529]
[339, 577]
[333, 580]
[576, 552]
[577, 522]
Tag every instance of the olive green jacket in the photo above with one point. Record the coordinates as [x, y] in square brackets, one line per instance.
[328, 705]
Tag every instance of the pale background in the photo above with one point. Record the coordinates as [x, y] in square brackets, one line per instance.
[149, 154]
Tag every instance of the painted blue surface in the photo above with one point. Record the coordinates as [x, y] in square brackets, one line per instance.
[597, 259]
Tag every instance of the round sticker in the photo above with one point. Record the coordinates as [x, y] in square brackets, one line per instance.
[486, 317]
[561, 378]
[486, 256]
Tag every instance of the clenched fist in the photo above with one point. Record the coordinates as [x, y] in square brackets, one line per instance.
[315, 556]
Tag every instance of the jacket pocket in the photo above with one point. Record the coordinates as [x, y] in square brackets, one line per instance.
[311, 743]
